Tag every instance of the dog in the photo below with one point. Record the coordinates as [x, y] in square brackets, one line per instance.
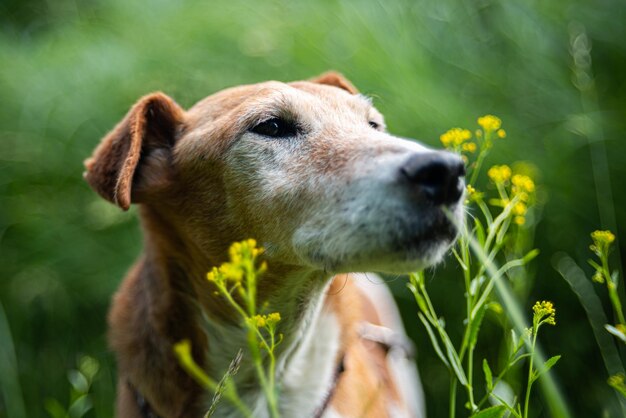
[307, 169]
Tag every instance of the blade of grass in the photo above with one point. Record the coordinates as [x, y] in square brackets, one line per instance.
[583, 288]
[9, 382]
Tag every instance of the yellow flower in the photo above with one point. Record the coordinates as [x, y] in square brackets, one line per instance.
[499, 174]
[501, 133]
[269, 320]
[519, 220]
[473, 195]
[523, 183]
[259, 321]
[490, 123]
[232, 271]
[602, 241]
[617, 382]
[598, 277]
[240, 253]
[602, 237]
[212, 276]
[544, 312]
[469, 147]
[616, 379]
[520, 209]
[273, 318]
[455, 137]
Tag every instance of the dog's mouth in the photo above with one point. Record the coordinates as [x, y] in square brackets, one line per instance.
[424, 240]
[404, 242]
[435, 227]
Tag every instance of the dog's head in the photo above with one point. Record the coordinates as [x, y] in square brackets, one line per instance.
[306, 168]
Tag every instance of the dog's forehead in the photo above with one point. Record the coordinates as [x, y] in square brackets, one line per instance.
[274, 92]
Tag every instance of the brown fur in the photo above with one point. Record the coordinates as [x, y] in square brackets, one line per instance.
[169, 160]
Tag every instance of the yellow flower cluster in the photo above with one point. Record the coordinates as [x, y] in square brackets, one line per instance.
[239, 250]
[490, 123]
[499, 174]
[473, 195]
[617, 380]
[544, 312]
[270, 320]
[603, 237]
[240, 253]
[598, 277]
[455, 137]
[469, 147]
[521, 186]
[602, 240]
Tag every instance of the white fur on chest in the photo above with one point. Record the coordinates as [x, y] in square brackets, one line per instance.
[305, 372]
[310, 373]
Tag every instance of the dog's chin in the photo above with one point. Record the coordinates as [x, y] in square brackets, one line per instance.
[403, 241]
[412, 248]
[403, 257]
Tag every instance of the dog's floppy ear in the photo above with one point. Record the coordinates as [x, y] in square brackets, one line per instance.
[333, 78]
[144, 137]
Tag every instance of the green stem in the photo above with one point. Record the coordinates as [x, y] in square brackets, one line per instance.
[612, 288]
[452, 400]
[530, 371]
[470, 368]
[479, 161]
[253, 344]
[470, 301]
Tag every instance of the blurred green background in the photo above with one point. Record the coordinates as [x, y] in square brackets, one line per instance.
[70, 69]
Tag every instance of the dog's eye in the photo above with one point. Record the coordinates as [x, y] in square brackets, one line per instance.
[374, 124]
[276, 128]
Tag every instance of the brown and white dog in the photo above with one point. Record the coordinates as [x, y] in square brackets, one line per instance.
[308, 170]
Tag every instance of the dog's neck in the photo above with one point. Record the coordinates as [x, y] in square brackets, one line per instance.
[309, 328]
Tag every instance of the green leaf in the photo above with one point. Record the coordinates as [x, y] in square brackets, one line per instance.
[433, 340]
[546, 367]
[530, 256]
[488, 376]
[479, 231]
[475, 325]
[55, 409]
[78, 380]
[459, 260]
[493, 412]
[89, 367]
[453, 357]
[80, 407]
[503, 230]
[514, 343]
[418, 298]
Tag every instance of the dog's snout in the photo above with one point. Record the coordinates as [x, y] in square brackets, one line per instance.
[437, 175]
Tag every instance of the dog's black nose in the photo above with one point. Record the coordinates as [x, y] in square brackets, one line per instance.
[437, 175]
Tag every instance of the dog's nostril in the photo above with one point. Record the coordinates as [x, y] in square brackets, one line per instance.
[437, 175]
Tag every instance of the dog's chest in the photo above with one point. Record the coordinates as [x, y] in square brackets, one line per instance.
[310, 375]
